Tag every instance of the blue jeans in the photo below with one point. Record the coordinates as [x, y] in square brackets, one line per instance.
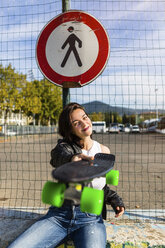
[86, 230]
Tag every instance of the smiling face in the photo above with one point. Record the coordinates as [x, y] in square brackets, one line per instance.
[81, 124]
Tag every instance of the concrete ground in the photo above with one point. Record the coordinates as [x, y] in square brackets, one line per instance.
[136, 227]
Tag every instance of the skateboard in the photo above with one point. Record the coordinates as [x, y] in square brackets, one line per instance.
[73, 181]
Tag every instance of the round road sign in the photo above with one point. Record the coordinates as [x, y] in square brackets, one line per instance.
[72, 49]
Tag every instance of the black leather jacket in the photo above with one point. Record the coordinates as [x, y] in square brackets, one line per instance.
[63, 153]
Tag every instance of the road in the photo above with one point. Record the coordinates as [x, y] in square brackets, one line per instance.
[140, 159]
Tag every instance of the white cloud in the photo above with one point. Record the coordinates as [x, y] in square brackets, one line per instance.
[21, 31]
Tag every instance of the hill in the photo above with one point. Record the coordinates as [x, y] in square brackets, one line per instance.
[97, 106]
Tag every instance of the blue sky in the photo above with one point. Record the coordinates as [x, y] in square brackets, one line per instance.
[135, 73]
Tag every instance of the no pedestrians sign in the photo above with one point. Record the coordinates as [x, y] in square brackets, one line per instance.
[72, 49]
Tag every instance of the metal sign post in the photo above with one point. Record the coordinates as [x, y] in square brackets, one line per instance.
[65, 91]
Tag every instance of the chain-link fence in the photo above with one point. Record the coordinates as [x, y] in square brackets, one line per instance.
[129, 92]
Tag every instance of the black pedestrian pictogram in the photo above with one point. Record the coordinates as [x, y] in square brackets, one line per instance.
[71, 40]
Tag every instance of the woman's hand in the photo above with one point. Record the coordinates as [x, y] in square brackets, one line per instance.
[119, 211]
[82, 156]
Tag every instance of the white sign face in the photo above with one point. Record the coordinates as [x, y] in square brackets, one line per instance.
[80, 49]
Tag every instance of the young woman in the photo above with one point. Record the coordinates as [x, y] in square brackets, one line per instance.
[86, 230]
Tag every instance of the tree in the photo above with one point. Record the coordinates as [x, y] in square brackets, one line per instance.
[125, 119]
[97, 116]
[51, 102]
[40, 100]
[132, 119]
[31, 99]
[11, 84]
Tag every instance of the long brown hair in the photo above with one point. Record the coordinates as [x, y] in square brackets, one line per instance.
[65, 125]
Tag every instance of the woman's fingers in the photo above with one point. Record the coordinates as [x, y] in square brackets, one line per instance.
[82, 156]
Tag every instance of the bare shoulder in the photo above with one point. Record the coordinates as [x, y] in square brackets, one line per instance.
[104, 149]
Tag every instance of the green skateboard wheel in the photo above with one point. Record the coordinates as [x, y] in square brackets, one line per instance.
[112, 177]
[92, 200]
[53, 193]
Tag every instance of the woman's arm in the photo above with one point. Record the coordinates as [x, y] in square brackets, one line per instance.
[113, 199]
[63, 153]
[110, 196]
[105, 149]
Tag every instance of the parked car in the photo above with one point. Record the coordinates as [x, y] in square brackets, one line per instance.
[10, 133]
[128, 128]
[152, 125]
[114, 128]
[121, 127]
[135, 129]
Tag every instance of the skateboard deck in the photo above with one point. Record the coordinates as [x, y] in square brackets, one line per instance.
[84, 170]
[73, 183]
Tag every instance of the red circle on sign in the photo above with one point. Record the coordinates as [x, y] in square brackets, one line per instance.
[96, 68]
